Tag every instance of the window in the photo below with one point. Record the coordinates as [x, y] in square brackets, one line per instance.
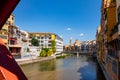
[49, 42]
[46, 37]
[41, 45]
[4, 30]
[38, 37]
[5, 33]
[41, 41]
[41, 37]
[49, 37]
[119, 18]
[12, 42]
[5, 43]
[0, 32]
[29, 40]
[119, 15]
[49, 45]
[12, 18]
[3, 37]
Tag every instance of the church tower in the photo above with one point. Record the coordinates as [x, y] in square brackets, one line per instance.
[70, 41]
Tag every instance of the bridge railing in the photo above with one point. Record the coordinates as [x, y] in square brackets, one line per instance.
[86, 52]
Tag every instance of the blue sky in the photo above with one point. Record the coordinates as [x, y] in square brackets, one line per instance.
[78, 19]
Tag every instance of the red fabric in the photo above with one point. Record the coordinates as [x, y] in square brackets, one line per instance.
[6, 8]
[8, 65]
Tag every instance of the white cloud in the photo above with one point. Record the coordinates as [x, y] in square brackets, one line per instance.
[61, 36]
[81, 34]
[68, 29]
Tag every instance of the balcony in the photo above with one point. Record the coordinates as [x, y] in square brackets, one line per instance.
[115, 32]
[115, 29]
[14, 36]
[3, 36]
[113, 55]
[24, 39]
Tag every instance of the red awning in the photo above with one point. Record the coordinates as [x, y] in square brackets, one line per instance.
[6, 8]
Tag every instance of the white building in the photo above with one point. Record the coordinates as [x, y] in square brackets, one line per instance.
[45, 40]
[23, 41]
[59, 44]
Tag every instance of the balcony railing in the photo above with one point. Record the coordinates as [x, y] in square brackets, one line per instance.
[113, 55]
[3, 36]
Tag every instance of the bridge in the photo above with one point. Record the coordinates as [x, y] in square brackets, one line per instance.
[81, 52]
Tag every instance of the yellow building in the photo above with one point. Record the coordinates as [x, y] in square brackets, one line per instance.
[4, 34]
[99, 43]
[111, 17]
[45, 40]
[109, 38]
[4, 31]
[53, 37]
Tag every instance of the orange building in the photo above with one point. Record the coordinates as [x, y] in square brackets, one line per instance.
[109, 42]
[13, 33]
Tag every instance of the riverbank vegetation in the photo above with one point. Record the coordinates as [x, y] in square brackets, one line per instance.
[46, 52]
[59, 57]
[63, 55]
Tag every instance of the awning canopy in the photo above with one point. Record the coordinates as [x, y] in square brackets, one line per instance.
[6, 8]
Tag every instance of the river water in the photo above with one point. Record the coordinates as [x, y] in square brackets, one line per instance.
[69, 68]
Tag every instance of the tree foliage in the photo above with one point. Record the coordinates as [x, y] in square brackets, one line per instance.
[35, 42]
[43, 53]
[53, 43]
[46, 52]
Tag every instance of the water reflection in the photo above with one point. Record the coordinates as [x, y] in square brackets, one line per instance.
[47, 65]
[70, 68]
[89, 71]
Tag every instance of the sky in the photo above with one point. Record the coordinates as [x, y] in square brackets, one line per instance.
[78, 19]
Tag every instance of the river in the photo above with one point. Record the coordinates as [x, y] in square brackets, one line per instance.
[69, 68]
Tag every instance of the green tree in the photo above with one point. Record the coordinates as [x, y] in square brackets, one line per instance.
[53, 43]
[43, 53]
[35, 42]
[49, 53]
[46, 52]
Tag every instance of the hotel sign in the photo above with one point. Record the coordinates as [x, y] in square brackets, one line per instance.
[6, 8]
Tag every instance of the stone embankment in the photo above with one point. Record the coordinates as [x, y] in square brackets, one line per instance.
[32, 60]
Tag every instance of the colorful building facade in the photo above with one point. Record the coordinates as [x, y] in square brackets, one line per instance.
[108, 38]
[4, 34]
[45, 40]
[13, 32]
